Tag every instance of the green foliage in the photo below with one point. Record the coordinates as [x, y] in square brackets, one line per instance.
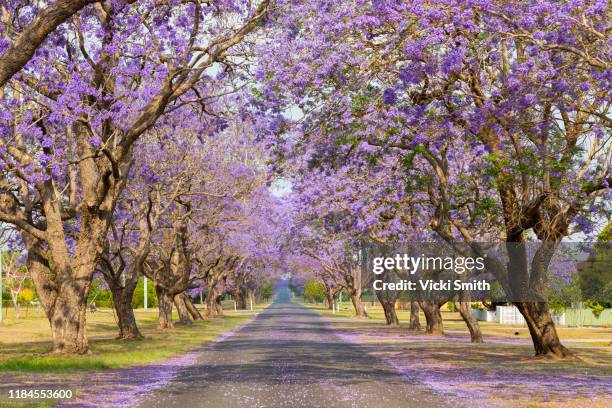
[102, 296]
[597, 307]
[138, 299]
[26, 295]
[561, 296]
[314, 290]
[267, 290]
[606, 234]
[595, 278]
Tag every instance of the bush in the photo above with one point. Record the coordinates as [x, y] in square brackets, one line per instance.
[26, 295]
[267, 290]
[99, 292]
[138, 299]
[314, 290]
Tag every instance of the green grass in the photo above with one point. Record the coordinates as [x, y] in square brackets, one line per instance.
[23, 350]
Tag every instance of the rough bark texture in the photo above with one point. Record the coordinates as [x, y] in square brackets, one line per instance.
[431, 310]
[390, 314]
[218, 308]
[210, 302]
[64, 299]
[68, 323]
[172, 278]
[240, 299]
[329, 299]
[360, 312]
[213, 303]
[388, 299]
[122, 301]
[164, 304]
[193, 311]
[415, 323]
[181, 307]
[542, 329]
[471, 323]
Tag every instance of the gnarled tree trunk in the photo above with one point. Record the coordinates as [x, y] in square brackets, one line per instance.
[390, 314]
[387, 299]
[329, 299]
[164, 304]
[542, 329]
[122, 301]
[65, 305]
[239, 298]
[181, 307]
[415, 323]
[218, 308]
[68, 322]
[431, 310]
[212, 299]
[360, 312]
[471, 323]
[193, 311]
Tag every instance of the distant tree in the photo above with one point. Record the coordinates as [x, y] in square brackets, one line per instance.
[314, 290]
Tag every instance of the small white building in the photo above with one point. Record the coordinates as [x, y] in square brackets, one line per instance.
[510, 315]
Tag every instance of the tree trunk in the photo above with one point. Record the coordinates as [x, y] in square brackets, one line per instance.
[218, 307]
[387, 299]
[193, 311]
[542, 329]
[211, 309]
[360, 312]
[433, 317]
[164, 304]
[68, 324]
[240, 299]
[65, 305]
[181, 307]
[415, 323]
[329, 299]
[471, 323]
[251, 298]
[122, 301]
[390, 314]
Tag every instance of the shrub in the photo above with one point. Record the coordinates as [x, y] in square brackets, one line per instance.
[138, 299]
[26, 295]
[314, 290]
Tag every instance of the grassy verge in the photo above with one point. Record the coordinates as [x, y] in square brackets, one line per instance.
[586, 336]
[25, 344]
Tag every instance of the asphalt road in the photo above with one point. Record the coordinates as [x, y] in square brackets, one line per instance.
[289, 357]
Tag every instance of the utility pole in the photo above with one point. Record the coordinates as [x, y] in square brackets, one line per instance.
[146, 303]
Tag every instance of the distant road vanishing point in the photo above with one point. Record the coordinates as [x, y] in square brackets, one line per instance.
[289, 357]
